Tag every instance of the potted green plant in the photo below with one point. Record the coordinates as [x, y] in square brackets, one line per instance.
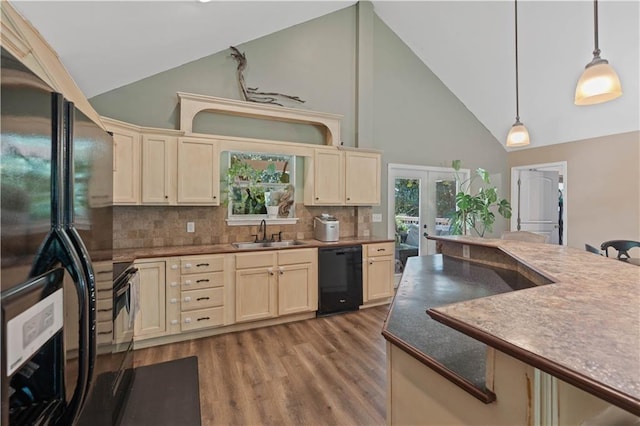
[476, 211]
[246, 196]
[401, 230]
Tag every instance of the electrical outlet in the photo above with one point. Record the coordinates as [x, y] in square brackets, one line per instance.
[376, 217]
[191, 227]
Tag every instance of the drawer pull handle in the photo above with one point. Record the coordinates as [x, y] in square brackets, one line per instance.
[371, 262]
[174, 322]
[174, 284]
[174, 300]
[174, 266]
[105, 310]
[204, 319]
[187, 265]
[187, 282]
[105, 332]
[381, 249]
[201, 264]
[202, 298]
[187, 299]
[187, 320]
[204, 280]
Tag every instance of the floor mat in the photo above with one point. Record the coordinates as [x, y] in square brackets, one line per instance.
[164, 394]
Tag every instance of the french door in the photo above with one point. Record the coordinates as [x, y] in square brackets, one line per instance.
[421, 201]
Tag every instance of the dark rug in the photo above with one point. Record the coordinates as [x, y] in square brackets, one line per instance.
[164, 394]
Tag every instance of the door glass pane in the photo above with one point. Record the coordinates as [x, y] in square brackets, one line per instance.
[407, 218]
[445, 205]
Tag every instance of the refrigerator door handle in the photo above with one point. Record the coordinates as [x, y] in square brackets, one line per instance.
[59, 249]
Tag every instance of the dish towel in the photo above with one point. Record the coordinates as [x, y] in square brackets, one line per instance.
[134, 303]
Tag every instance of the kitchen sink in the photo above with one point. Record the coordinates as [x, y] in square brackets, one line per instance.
[267, 244]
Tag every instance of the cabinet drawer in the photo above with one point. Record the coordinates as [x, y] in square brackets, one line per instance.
[197, 265]
[104, 310]
[202, 318]
[292, 257]
[199, 299]
[380, 249]
[104, 332]
[193, 282]
[255, 260]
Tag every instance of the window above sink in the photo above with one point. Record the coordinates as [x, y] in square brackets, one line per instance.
[260, 186]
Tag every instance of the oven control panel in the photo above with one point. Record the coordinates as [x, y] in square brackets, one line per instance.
[29, 331]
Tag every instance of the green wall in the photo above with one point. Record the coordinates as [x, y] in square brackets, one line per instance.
[415, 118]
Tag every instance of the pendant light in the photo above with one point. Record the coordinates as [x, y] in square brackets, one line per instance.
[518, 135]
[599, 81]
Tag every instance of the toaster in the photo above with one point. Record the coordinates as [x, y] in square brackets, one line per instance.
[326, 228]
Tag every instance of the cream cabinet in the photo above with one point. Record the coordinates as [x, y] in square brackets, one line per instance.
[273, 283]
[362, 178]
[126, 162]
[198, 172]
[159, 169]
[324, 184]
[151, 318]
[377, 271]
[202, 292]
[339, 177]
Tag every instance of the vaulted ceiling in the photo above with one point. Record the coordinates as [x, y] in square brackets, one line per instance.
[469, 45]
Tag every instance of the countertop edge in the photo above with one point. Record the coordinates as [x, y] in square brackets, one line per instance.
[594, 387]
[132, 254]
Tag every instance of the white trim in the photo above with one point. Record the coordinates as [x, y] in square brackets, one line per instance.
[560, 167]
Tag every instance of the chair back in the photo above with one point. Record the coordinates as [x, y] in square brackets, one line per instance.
[531, 237]
[592, 249]
[622, 246]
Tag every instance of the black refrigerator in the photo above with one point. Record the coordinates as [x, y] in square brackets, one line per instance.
[56, 224]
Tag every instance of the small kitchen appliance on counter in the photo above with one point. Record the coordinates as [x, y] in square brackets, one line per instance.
[326, 228]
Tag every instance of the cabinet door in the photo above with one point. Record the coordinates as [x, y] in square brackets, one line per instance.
[379, 277]
[296, 289]
[362, 176]
[256, 294]
[158, 169]
[328, 178]
[198, 172]
[150, 321]
[126, 167]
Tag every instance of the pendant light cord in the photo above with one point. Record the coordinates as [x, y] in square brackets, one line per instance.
[517, 94]
[596, 51]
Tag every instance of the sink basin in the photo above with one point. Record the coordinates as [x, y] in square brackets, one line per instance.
[266, 244]
[286, 243]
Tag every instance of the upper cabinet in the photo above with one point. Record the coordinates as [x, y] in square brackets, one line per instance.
[324, 181]
[159, 169]
[198, 172]
[342, 177]
[362, 178]
[126, 162]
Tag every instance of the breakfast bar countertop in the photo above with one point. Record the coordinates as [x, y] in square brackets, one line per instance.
[129, 255]
[583, 328]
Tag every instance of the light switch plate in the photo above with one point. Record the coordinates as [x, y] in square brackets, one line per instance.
[191, 227]
[376, 217]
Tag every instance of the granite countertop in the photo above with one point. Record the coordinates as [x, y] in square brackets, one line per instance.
[129, 255]
[437, 280]
[584, 328]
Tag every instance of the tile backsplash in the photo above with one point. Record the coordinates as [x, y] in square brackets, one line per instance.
[158, 226]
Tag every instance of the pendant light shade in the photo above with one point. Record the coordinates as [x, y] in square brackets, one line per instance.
[518, 135]
[599, 82]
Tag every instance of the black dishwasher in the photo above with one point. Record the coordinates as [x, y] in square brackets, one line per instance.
[339, 279]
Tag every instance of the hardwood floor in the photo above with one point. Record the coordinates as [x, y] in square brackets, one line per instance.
[323, 371]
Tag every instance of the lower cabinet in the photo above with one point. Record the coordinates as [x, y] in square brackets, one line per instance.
[269, 284]
[377, 271]
[150, 319]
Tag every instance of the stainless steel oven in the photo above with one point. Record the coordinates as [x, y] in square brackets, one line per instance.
[125, 305]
